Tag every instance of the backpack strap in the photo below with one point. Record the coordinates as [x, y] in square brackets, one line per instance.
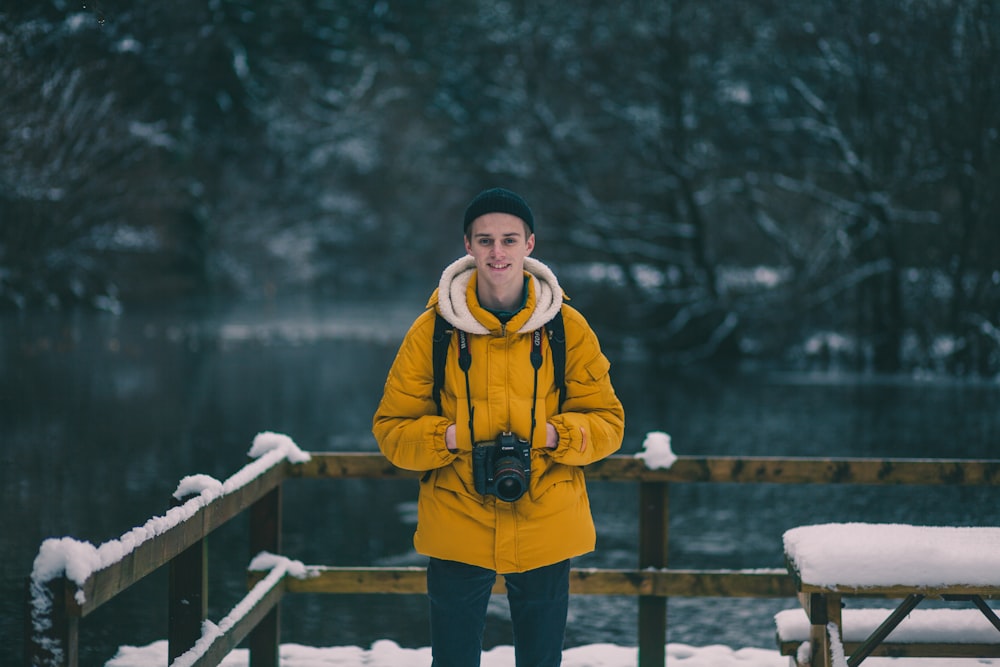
[557, 343]
[442, 338]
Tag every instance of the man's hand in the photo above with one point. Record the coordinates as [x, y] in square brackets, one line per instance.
[449, 439]
[551, 436]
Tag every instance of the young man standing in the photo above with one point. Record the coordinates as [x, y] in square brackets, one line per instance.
[500, 443]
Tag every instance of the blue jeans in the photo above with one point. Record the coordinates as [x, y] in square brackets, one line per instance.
[459, 594]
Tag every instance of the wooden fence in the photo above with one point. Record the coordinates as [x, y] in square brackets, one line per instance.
[55, 606]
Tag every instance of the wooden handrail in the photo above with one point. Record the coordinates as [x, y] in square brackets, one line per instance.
[263, 598]
[653, 582]
[716, 469]
[756, 583]
[52, 635]
[160, 549]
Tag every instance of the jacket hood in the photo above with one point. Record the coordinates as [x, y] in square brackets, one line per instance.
[455, 309]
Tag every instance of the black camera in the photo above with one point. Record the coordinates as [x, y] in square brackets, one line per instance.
[502, 468]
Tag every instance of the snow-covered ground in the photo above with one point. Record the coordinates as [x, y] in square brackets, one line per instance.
[386, 653]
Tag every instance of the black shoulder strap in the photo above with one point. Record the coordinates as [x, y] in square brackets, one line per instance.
[442, 337]
[557, 343]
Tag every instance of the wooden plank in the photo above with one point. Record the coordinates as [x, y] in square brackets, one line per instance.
[883, 630]
[824, 612]
[265, 523]
[264, 603]
[653, 585]
[772, 583]
[52, 636]
[683, 583]
[265, 535]
[913, 650]
[719, 469]
[405, 580]
[654, 522]
[187, 599]
[349, 465]
[156, 551]
[775, 470]
[987, 592]
[264, 641]
[761, 583]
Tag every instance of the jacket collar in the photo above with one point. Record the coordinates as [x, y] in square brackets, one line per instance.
[456, 301]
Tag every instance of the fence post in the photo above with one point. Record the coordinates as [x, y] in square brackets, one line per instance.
[52, 632]
[265, 535]
[187, 596]
[654, 514]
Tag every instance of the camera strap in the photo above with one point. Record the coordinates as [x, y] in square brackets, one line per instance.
[554, 329]
[536, 362]
[464, 362]
[557, 346]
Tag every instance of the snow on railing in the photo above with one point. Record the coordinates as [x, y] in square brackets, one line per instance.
[277, 567]
[78, 560]
[836, 646]
[72, 562]
[656, 451]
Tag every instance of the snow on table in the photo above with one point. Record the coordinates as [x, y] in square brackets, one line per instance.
[881, 555]
[922, 626]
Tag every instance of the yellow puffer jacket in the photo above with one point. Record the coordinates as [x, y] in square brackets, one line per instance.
[552, 521]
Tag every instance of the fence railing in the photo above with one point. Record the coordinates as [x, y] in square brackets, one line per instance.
[57, 600]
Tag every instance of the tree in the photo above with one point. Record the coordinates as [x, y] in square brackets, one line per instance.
[713, 180]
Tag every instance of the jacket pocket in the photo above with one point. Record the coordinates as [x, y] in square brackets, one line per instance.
[598, 367]
[449, 478]
[554, 474]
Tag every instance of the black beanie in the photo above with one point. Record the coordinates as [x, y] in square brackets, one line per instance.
[499, 200]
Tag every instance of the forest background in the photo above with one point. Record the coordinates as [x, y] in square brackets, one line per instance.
[811, 182]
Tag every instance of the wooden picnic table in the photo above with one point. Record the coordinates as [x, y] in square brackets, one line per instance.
[833, 561]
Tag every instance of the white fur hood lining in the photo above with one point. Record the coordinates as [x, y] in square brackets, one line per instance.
[455, 309]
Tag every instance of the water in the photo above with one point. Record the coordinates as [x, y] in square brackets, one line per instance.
[101, 416]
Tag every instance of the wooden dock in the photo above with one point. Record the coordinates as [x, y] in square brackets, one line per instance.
[56, 605]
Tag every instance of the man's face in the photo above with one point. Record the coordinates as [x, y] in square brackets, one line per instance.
[499, 243]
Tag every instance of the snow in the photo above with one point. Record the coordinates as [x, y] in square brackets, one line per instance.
[265, 561]
[863, 554]
[860, 555]
[194, 485]
[79, 560]
[268, 442]
[921, 626]
[656, 450]
[279, 567]
[849, 554]
[386, 653]
[837, 656]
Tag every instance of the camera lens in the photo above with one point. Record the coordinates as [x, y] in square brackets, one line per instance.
[510, 481]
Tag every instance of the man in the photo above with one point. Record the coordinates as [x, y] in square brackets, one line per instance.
[518, 506]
